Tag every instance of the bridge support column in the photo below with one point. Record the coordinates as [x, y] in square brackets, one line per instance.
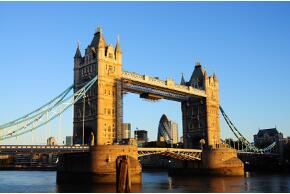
[222, 161]
[217, 162]
[98, 165]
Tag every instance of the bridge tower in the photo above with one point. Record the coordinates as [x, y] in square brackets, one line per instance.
[100, 114]
[97, 112]
[200, 116]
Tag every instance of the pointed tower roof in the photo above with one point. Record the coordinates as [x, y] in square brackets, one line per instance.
[98, 40]
[78, 53]
[182, 82]
[118, 47]
[198, 73]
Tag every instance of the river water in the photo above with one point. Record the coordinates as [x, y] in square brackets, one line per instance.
[153, 181]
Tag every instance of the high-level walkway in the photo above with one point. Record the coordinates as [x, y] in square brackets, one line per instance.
[167, 89]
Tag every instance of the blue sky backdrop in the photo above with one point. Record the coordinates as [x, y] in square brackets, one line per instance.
[246, 44]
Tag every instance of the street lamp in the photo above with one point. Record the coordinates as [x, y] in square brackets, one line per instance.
[202, 142]
[84, 109]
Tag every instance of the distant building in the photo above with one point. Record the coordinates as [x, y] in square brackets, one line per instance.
[69, 140]
[286, 140]
[142, 137]
[265, 137]
[167, 130]
[174, 132]
[51, 141]
[181, 139]
[126, 131]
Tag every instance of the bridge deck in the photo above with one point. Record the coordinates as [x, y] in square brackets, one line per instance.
[166, 88]
[184, 154]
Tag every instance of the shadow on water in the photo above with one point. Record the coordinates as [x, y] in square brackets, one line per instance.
[153, 181]
[251, 182]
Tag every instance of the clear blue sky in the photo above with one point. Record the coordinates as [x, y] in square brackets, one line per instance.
[246, 44]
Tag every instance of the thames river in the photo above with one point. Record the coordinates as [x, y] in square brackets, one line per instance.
[153, 181]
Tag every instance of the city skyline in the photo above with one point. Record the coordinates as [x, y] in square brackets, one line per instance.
[41, 63]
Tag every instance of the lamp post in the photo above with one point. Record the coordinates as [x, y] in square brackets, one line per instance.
[202, 142]
[84, 109]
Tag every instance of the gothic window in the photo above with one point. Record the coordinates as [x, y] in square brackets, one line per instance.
[110, 55]
[109, 91]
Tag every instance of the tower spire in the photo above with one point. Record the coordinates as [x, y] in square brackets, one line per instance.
[118, 47]
[98, 40]
[99, 29]
[182, 82]
[78, 53]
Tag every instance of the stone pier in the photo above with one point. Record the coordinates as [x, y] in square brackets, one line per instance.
[215, 162]
[98, 165]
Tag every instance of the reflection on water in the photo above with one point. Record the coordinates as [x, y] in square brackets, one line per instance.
[153, 181]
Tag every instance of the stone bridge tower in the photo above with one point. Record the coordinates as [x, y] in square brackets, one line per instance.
[103, 100]
[200, 116]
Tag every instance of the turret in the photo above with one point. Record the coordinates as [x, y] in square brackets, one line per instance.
[99, 42]
[198, 77]
[118, 51]
[77, 57]
[182, 82]
[77, 64]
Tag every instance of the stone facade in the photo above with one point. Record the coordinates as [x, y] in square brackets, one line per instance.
[200, 116]
[101, 105]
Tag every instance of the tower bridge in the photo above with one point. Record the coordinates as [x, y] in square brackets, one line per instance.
[99, 85]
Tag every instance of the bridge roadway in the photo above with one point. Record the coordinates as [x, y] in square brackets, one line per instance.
[14, 149]
[182, 154]
[158, 89]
